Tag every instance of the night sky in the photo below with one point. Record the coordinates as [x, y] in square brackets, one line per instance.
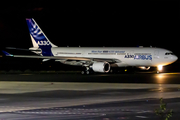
[90, 23]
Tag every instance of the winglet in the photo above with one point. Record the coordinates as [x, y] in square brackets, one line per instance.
[7, 54]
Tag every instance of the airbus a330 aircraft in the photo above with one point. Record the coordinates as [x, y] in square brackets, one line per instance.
[96, 59]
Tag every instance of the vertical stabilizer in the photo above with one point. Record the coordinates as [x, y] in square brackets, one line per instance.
[38, 38]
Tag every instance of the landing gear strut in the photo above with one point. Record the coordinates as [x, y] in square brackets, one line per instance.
[86, 71]
[159, 68]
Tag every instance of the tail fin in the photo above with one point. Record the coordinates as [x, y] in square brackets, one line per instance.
[38, 38]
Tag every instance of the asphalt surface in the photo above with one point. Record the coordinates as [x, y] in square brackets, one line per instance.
[163, 78]
[92, 97]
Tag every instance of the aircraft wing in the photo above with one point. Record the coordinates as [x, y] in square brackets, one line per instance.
[113, 60]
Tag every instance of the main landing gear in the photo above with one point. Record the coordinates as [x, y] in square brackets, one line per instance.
[86, 71]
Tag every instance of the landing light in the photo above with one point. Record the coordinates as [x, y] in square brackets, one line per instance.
[160, 67]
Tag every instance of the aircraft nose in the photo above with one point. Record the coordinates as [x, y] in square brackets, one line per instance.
[174, 57]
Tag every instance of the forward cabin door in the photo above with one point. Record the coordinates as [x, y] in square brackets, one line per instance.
[156, 54]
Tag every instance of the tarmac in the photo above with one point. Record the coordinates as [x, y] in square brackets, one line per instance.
[46, 99]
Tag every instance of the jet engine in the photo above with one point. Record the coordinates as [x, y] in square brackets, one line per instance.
[144, 68]
[103, 67]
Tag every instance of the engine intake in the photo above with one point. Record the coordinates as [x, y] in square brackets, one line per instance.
[103, 67]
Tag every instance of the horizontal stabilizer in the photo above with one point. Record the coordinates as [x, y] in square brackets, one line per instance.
[7, 54]
[13, 48]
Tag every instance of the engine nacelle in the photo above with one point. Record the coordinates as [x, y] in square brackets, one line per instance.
[144, 68]
[103, 67]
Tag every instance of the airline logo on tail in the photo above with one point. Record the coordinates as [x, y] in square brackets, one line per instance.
[38, 37]
[34, 30]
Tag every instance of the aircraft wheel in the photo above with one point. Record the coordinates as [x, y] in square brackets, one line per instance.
[87, 72]
[82, 72]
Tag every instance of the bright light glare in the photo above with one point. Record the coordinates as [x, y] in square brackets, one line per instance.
[160, 67]
[161, 78]
[142, 67]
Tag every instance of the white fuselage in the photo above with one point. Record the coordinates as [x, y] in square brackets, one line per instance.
[128, 56]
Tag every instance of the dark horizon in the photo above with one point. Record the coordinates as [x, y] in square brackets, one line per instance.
[147, 23]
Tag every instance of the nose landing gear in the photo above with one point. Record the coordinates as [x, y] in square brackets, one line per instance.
[159, 68]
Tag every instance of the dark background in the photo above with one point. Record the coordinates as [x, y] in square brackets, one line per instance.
[90, 23]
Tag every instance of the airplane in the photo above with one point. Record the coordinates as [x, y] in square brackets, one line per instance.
[96, 59]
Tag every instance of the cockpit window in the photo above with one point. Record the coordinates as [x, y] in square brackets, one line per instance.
[169, 53]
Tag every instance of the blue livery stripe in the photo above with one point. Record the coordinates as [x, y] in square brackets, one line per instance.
[6, 53]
